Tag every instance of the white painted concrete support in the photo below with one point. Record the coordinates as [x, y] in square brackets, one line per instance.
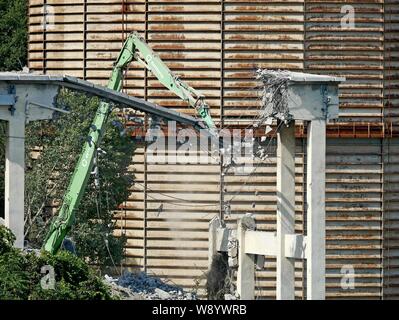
[15, 176]
[316, 216]
[246, 263]
[33, 102]
[285, 210]
[214, 224]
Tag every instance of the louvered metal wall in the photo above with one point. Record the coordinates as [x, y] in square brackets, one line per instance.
[216, 45]
[391, 149]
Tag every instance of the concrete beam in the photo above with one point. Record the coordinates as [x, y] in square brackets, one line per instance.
[285, 210]
[87, 87]
[261, 243]
[316, 215]
[295, 246]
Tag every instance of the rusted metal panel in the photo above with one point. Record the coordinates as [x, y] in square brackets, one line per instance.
[216, 45]
[391, 219]
[256, 35]
[354, 220]
[226, 40]
[391, 149]
[391, 88]
[335, 46]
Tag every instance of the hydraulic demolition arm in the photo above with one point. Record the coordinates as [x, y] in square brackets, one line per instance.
[134, 48]
[152, 62]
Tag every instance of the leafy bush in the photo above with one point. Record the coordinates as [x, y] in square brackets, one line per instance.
[20, 275]
[74, 279]
[14, 279]
[7, 239]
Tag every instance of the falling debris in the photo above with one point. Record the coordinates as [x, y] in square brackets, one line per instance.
[227, 209]
[274, 96]
[160, 210]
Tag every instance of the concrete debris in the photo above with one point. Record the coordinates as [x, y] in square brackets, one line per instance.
[268, 122]
[274, 95]
[248, 221]
[140, 286]
[229, 296]
[122, 292]
[163, 295]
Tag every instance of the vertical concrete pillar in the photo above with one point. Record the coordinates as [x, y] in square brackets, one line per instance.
[316, 215]
[15, 175]
[246, 263]
[214, 224]
[285, 210]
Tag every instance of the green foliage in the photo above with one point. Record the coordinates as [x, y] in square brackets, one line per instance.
[74, 279]
[20, 276]
[14, 280]
[7, 239]
[13, 34]
[61, 140]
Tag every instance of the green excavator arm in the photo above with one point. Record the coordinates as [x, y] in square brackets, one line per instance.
[134, 48]
[152, 62]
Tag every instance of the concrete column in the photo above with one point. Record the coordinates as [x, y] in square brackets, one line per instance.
[285, 210]
[246, 262]
[15, 176]
[214, 224]
[316, 215]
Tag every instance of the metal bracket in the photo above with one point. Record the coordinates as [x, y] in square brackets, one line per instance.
[46, 107]
[9, 99]
[326, 99]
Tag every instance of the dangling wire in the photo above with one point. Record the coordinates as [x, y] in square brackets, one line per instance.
[253, 171]
[98, 210]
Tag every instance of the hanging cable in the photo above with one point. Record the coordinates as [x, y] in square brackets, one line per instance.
[188, 202]
[253, 171]
[96, 171]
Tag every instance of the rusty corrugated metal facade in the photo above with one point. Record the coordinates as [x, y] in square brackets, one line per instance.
[216, 45]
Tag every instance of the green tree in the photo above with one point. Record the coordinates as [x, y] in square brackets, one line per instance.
[13, 34]
[61, 142]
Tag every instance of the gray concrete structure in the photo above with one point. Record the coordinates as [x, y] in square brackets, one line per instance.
[316, 212]
[28, 97]
[285, 210]
[314, 99]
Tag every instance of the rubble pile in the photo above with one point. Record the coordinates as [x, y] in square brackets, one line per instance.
[140, 286]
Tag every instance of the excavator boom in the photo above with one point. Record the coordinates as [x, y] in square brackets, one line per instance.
[134, 48]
